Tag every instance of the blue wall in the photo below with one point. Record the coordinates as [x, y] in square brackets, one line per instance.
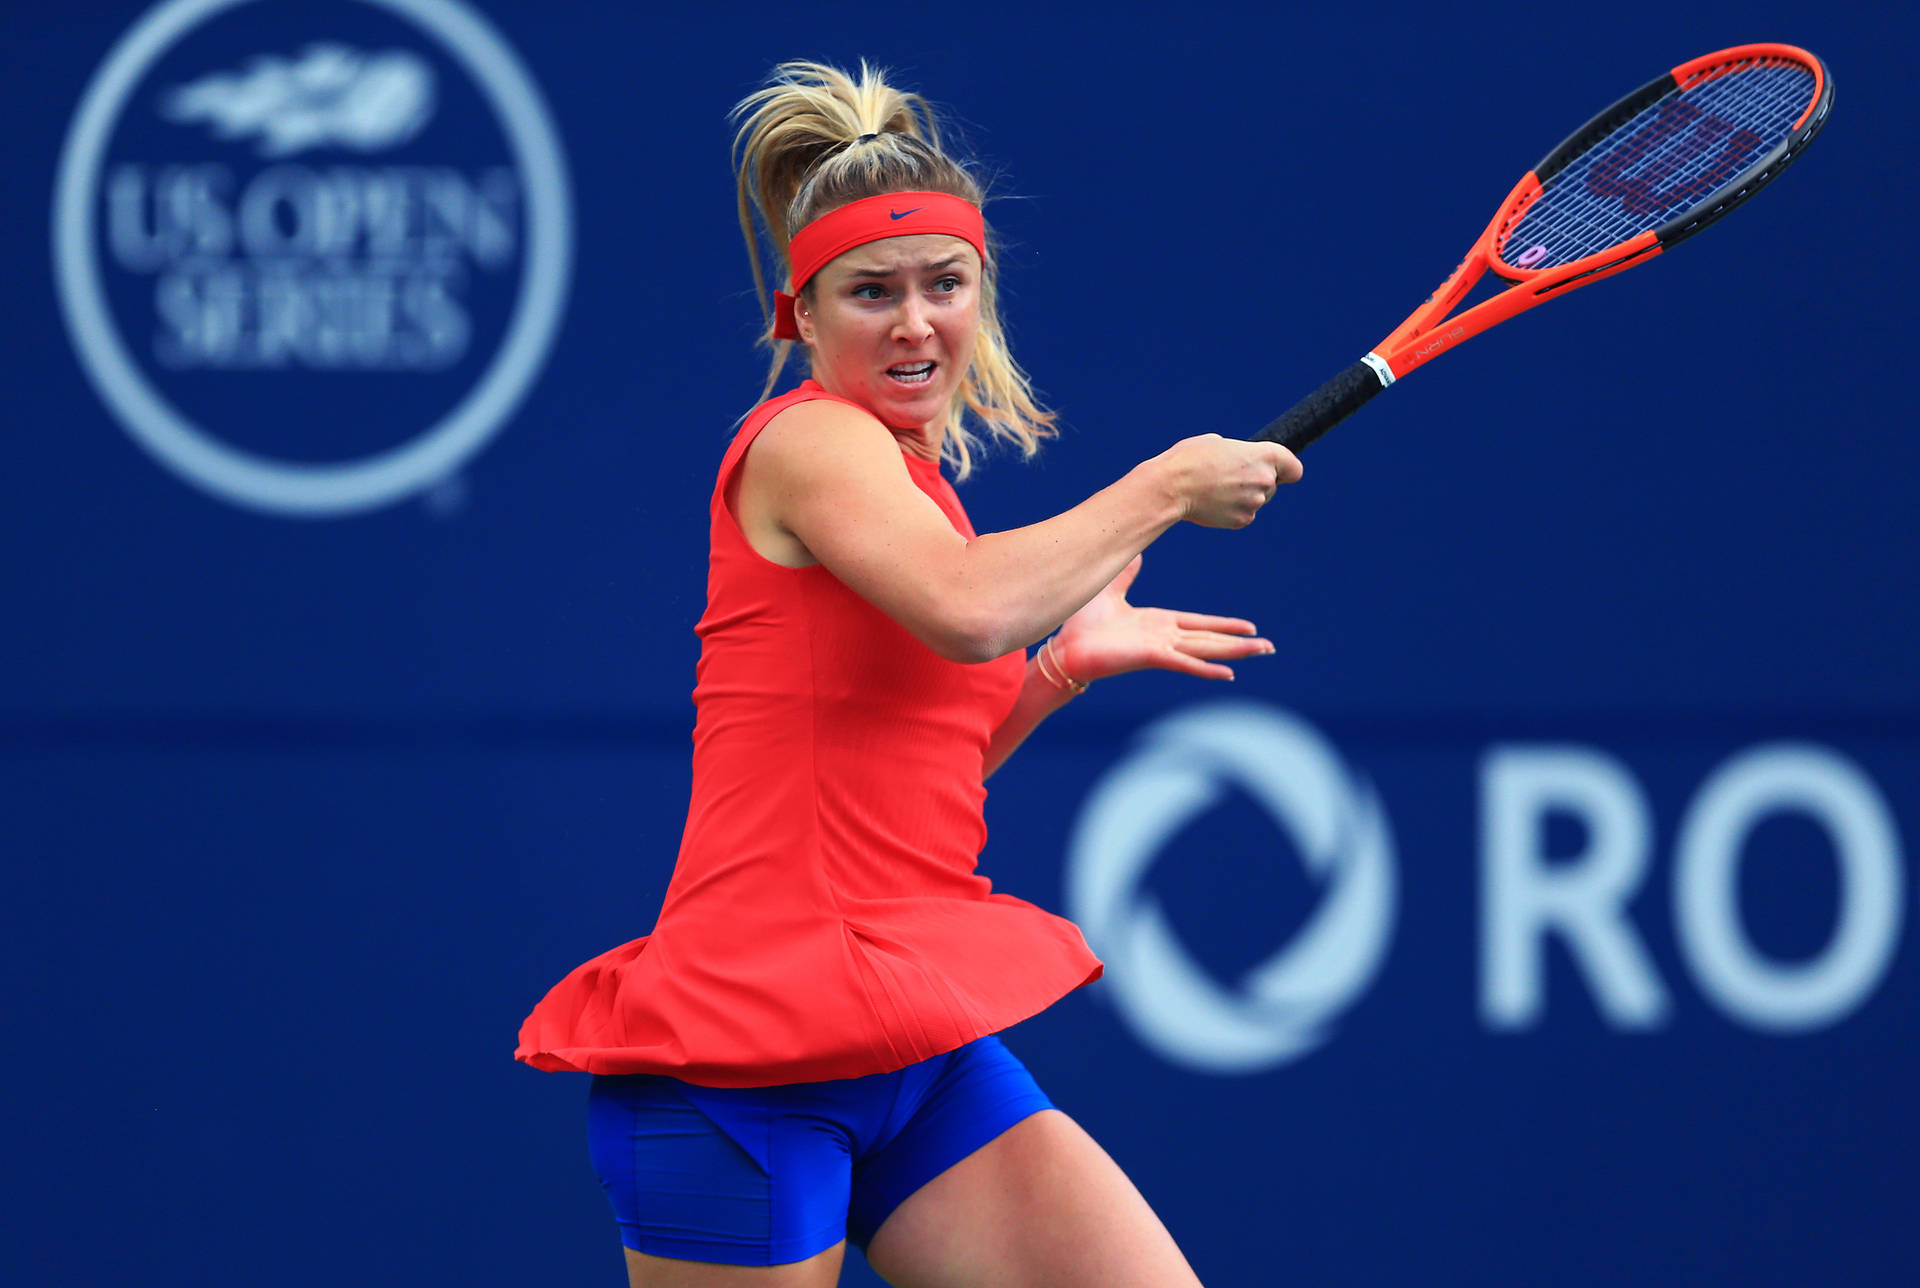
[308, 800]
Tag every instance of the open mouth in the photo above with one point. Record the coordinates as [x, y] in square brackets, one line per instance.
[911, 373]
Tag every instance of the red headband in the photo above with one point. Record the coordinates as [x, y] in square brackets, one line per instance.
[872, 219]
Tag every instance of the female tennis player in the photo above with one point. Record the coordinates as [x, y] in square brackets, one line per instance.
[803, 1051]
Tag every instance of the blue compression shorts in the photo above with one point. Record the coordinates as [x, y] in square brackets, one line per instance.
[761, 1176]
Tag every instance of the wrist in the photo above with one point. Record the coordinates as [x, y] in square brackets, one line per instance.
[1054, 673]
[1162, 480]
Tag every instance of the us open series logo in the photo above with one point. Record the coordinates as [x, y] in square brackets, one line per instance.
[312, 255]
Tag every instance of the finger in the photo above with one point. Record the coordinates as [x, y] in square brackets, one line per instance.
[1224, 646]
[1204, 622]
[1285, 465]
[1124, 578]
[1188, 664]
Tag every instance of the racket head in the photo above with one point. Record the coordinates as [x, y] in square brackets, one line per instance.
[1668, 159]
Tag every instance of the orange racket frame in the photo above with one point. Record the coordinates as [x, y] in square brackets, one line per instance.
[1429, 331]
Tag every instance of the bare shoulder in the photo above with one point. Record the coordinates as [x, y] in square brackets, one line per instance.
[812, 468]
[815, 440]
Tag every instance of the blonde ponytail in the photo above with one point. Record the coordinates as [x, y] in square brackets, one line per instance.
[816, 139]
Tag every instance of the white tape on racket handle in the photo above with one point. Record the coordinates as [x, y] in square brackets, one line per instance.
[1380, 368]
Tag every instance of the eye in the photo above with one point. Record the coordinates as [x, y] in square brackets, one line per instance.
[868, 291]
[948, 284]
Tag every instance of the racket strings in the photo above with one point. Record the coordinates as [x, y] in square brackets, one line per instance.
[1677, 152]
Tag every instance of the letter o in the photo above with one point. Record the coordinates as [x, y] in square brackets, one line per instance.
[296, 190]
[1837, 794]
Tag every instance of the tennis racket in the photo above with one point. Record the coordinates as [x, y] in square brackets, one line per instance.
[1644, 175]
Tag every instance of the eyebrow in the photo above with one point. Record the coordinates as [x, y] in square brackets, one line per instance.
[868, 271]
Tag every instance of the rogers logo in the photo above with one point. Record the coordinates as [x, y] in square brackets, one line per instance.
[1183, 766]
[1536, 902]
[316, 278]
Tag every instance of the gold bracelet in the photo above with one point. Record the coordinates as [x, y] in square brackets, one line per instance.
[1071, 687]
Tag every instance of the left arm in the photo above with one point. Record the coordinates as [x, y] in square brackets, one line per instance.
[1039, 698]
[1111, 637]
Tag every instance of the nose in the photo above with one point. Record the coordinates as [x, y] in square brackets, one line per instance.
[914, 322]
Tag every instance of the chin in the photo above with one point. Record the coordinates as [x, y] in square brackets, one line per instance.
[916, 408]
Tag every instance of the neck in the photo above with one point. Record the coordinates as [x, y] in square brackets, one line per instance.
[920, 442]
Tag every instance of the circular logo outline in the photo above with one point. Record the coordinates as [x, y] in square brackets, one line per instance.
[1286, 1005]
[298, 489]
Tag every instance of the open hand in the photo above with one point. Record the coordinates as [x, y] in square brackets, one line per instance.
[1110, 637]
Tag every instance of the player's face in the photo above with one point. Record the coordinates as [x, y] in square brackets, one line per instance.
[892, 325]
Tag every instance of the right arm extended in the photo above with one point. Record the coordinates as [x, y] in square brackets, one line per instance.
[831, 479]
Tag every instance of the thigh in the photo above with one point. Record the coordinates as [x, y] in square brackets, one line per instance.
[1040, 1205]
[948, 1108]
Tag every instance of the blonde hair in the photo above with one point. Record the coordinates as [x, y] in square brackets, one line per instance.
[815, 139]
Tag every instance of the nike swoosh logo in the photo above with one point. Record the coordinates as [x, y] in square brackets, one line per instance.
[902, 214]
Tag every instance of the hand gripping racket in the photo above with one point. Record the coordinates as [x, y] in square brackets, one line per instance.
[1647, 173]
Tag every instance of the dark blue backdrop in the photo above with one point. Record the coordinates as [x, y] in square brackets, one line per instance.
[304, 808]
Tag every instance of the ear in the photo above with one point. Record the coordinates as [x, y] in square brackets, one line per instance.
[803, 319]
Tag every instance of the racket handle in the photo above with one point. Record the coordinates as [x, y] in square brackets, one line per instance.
[1324, 408]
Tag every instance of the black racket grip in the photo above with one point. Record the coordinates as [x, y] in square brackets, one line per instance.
[1324, 408]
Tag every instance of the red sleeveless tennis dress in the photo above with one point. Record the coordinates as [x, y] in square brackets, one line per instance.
[824, 919]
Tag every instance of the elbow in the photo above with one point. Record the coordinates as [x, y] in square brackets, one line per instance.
[974, 652]
[971, 639]
[962, 620]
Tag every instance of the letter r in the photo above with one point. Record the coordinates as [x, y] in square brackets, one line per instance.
[1524, 897]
